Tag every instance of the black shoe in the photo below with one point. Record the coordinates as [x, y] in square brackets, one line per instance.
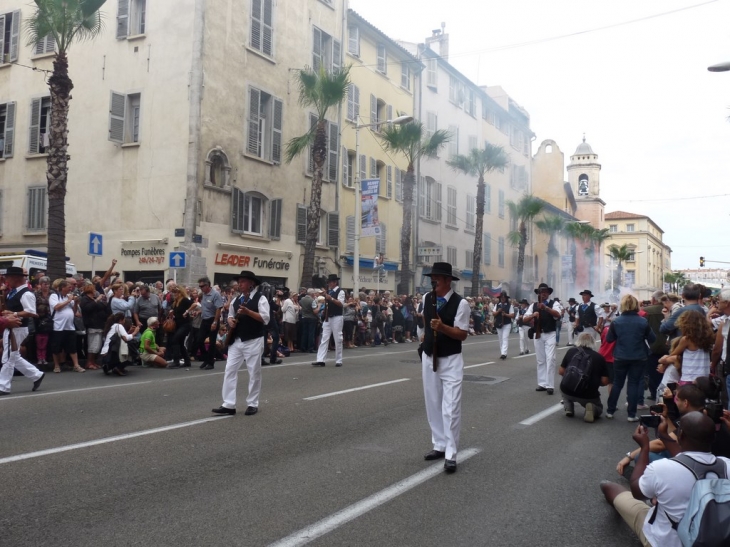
[550, 391]
[318, 364]
[338, 364]
[208, 367]
[434, 455]
[4, 393]
[264, 362]
[224, 410]
[277, 362]
[250, 411]
[503, 357]
[540, 388]
[37, 383]
[450, 466]
[202, 366]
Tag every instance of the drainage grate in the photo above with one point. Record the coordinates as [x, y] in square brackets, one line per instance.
[489, 380]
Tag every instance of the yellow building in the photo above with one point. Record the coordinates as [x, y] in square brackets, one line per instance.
[383, 77]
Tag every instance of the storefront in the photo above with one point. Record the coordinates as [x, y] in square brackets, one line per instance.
[144, 260]
[276, 270]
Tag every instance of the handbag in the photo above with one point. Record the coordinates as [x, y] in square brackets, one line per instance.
[531, 333]
[123, 351]
[169, 325]
[44, 325]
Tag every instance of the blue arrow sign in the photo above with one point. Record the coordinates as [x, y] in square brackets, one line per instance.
[96, 244]
[177, 260]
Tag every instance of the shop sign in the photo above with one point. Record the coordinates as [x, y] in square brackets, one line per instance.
[245, 261]
[146, 255]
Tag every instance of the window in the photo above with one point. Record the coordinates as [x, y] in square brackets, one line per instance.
[329, 169]
[265, 117]
[613, 228]
[432, 73]
[451, 256]
[454, 142]
[487, 198]
[451, 206]
[631, 257]
[37, 209]
[124, 117]
[353, 102]
[381, 239]
[431, 124]
[501, 204]
[487, 249]
[47, 44]
[518, 177]
[629, 227]
[353, 40]
[471, 103]
[131, 17]
[429, 198]
[40, 123]
[400, 177]
[471, 212]
[247, 216]
[329, 227]
[378, 112]
[217, 169]
[7, 129]
[469, 260]
[350, 232]
[349, 165]
[9, 37]
[326, 51]
[389, 182]
[500, 252]
[405, 75]
[630, 278]
[382, 62]
[275, 219]
[456, 91]
[262, 26]
[472, 144]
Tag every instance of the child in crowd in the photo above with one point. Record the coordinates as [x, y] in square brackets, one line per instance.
[670, 366]
[694, 345]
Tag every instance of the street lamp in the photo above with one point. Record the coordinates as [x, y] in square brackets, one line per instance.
[358, 197]
[720, 67]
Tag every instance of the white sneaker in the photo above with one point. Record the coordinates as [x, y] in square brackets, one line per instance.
[632, 419]
[642, 407]
[609, 416]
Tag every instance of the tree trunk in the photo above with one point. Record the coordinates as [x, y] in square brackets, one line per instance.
[477, 266]
[57, 173]
[405, 237]
[551, 261]
[319, 149]
[521, 259]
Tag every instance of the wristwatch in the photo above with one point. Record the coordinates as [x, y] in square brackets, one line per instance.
[628, 455]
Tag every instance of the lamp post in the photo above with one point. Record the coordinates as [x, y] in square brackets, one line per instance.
[720, 67]
[358, 198]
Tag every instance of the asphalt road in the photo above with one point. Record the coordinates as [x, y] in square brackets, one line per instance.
[91, 460]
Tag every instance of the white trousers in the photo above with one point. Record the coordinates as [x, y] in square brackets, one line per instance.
[442, 391]
[238, 352]
[545, 351]
[12, 360]
[524, 340]
[570, 333]
[503, 333]
[331, 328]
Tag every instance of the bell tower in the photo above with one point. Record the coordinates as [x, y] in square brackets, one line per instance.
[584, 177]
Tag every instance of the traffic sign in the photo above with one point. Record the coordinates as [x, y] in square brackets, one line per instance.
[178, 259]
[96, 244]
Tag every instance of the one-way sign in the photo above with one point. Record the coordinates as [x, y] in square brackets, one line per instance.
[177, 259]
[96, 244]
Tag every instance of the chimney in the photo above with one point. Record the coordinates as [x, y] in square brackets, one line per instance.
[439, 36]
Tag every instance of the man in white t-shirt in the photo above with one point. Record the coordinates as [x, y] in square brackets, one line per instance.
[666, 481]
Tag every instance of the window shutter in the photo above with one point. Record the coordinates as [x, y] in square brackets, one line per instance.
[405, 75]
[363, 167]
[35, 126]
[373, 109]
[275, 219]
[256, 24]
[389, 182]
[345, 160]
[277, 131]
[389, 112]
[437, 188]
[357, 102]
[2, 42]
[253, 145]
[382, 59]
[336, 56]
[353, 41]
[237, 205]
[334, 146]
[351, 102]
[37, 212]
[117, 111]
[431, 75]
[373, 168]
[422, 196]
[14, 36]
[333, 229]
[123, 18]
[317, 49]
[268, 38]
[301, 224]
[350, 229]
[398, 184]
[9, 131]
[382, 239]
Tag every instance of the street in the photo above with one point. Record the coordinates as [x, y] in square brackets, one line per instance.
[95, 460]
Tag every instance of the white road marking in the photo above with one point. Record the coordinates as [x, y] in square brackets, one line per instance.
[328, 524]
[49, 451]
[540, 415]
[41, 394]
[355, 389]
[481, 364]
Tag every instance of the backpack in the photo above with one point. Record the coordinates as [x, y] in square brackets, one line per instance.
[578, 373]
[706, 523]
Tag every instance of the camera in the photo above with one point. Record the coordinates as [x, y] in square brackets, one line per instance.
[714, 410]
[672, 410]
[650, 421]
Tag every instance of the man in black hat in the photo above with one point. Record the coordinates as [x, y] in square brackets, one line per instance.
[503, 314]
[572, 314]
[523, 328]
[20, 303]
[546, 312]
[334, 299]
[248, 316]
[587, 316]
[446, 326]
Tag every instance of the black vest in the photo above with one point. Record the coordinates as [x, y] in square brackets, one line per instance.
[333, 310]
[587, 318]
[247, 328]
[14, 304]
[501, 320]
[445, 345]
[547, 321]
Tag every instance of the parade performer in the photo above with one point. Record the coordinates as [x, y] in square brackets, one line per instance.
[333, 322]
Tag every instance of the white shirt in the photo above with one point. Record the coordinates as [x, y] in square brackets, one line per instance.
[290, 310]
[119, 329]
[671, 483]
[461, 321]
[264, 309]
[28, 301]
[532, 309]
[63, 318]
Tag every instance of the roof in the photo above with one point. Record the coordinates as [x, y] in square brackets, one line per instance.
[617, 215]
[407, 55]
[583, 148]
[550, 208]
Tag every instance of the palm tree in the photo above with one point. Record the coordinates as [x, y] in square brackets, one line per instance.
[523, 213]
[68, 21]
[676, 280]
[319, 90]
[552, 225]
[620, 255]
[410, 140]
[477, 164]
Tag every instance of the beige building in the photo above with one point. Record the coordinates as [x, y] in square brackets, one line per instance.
[179, 119]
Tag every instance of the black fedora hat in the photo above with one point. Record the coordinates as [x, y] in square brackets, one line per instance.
[503, 293]
[246, 274]
[524, 301]
[587, 291]
[333, 277]
[442, 268]
[542, 286]
[571, 300]
[15, 270]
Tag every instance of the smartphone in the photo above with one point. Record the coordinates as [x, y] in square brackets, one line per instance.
[650, 421]
[672, 386]
[659, 409]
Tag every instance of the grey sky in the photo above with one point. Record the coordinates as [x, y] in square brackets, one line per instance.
[641, 92]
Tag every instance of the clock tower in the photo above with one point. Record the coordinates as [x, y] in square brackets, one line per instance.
[584, 178]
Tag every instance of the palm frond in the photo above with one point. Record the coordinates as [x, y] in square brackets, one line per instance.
[66, 20]
[430, 147]
[463, 164]
[514, 238]
[298, 145]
